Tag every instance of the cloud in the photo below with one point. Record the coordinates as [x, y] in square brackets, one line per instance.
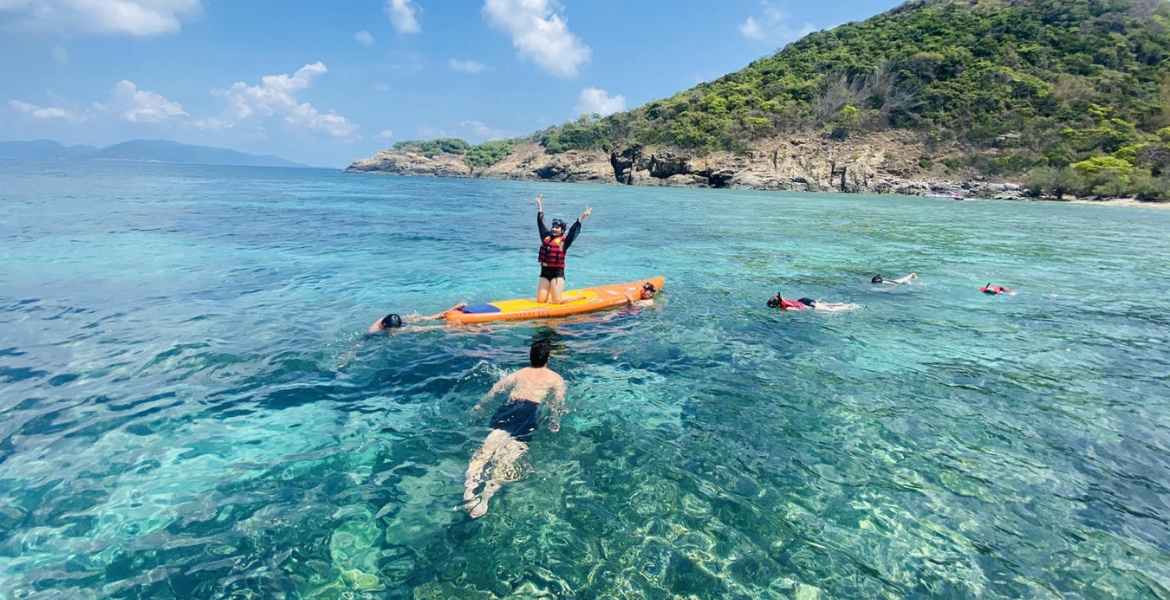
[140, 18]
[382, 87]
[59, 54]
[364, 38]
[385, 135]
[402, 15]
[467, 66]
[274, 98]
[479, 132]
[593, 100]
[141, 106]
[539, 33]
[773, 27]
[44, 113]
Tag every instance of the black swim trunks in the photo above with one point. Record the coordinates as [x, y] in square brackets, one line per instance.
[808, 302]
[551, 273]
[518, 418]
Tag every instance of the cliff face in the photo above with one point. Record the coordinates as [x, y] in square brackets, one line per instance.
[883, 163]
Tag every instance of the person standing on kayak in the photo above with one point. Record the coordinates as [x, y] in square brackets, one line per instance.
[554, 245]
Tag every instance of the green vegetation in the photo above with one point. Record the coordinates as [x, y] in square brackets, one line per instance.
[489, 153]
[483, 155]
[433, 148]
[1023, 83]
[1051, 87]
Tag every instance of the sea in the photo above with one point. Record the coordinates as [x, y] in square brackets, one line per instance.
[189, 407]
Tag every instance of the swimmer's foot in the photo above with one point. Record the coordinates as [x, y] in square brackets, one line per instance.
[469, 505]
[481, 507]
[469, 489]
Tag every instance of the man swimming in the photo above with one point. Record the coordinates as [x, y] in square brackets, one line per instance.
[554, 245]
[645, 296]
[900, 281]
[780, 302]
[393, 321]
[512, 426]
[996, 290]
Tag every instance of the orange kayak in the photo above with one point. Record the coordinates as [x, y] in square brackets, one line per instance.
[594, 298]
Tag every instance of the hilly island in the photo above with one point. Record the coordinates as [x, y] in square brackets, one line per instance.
[1008, 98]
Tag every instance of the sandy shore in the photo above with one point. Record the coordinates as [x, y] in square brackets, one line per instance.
[1123, 202]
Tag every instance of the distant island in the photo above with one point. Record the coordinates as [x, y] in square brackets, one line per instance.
[993, 98]
[142, 151]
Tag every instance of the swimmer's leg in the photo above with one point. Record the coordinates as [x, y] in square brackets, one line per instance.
[494, 442]
[504, 469]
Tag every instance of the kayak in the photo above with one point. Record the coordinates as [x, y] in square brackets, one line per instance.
[594, 298]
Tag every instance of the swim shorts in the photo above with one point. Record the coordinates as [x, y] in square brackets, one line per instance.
[551, 273]
[809, 302]
[518, 418]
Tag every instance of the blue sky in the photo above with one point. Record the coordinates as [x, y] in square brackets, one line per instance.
[319, 84]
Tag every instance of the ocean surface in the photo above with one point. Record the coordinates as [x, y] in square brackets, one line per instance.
[189, 409]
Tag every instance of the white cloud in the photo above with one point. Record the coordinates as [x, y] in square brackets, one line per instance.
[593, 100]
[364, 38]
[382, 87]
[478, 132]
[539, 33]
[142, 18]
[274, 98]
[43, 113]
[59, 54]
[141, 106]
[402, 15]
[385, 135]
[467, 66]
[774, 27]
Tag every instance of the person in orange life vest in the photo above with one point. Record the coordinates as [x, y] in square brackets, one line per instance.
[554, 244]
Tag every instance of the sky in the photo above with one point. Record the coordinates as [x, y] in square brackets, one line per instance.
[325, 83]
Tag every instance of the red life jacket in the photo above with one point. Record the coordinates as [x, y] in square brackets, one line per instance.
[794, 305]
[552, 252]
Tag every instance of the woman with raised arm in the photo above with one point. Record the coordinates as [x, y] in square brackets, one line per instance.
[554, 245]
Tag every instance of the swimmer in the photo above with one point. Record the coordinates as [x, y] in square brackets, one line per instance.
[512, 426]
[393, 321]
[645, 297]
[778, 301]
[900, 281]
[995, 290]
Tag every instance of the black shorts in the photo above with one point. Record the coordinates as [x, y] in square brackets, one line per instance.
[518, 418]
[808, 302]
[551, 273]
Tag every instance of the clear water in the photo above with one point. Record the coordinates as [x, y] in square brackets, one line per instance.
[188, 409]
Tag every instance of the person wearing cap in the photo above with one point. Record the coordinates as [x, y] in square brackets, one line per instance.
[645, 297]
[393, 321]
[554, 244]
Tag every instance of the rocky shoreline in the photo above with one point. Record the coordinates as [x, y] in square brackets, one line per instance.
[885, 163]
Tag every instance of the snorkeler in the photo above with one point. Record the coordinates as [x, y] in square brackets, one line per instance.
[778, 301]
[900, 281]
[995, 290]
[645, 297]
[512, 426]
[554, 244]
[393, 321]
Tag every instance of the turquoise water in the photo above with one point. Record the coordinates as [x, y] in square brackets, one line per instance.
[188, 408]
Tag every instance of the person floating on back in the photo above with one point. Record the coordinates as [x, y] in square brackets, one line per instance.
[393, 321]
[645, 296]
[512, 427]
[900, 281]
[995, 290]
[780, 302]
[554, 245]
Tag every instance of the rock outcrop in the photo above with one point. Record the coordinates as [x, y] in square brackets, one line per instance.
[885, 163]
